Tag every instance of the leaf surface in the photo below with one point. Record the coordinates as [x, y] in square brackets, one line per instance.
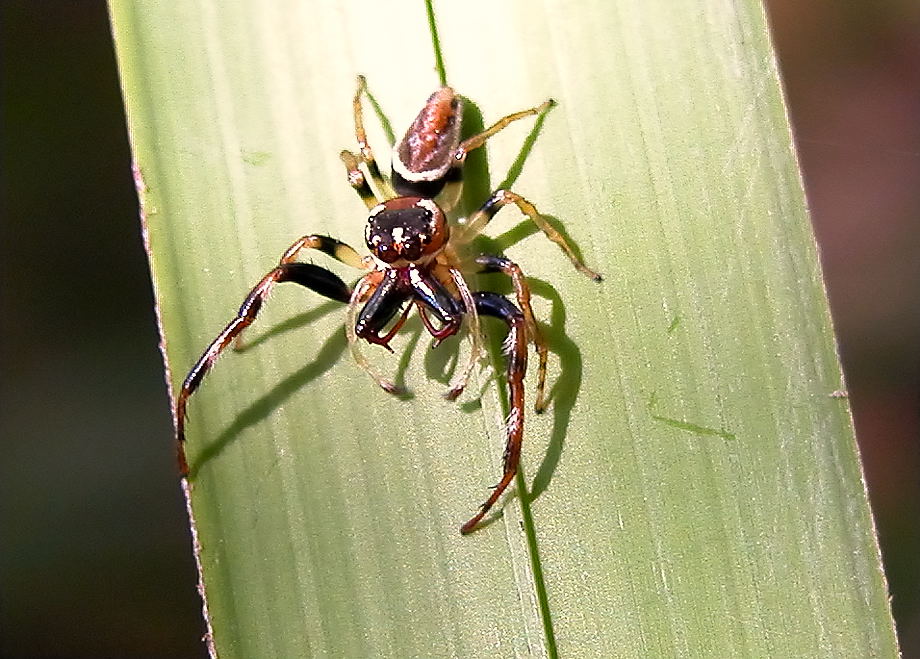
[694, 488]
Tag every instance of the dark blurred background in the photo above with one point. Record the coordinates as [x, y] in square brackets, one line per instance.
[94, 553]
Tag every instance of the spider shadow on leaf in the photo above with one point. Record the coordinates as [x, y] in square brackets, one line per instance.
[299, 321]
[325, 358]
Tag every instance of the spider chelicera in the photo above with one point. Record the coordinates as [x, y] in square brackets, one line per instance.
[415, 263]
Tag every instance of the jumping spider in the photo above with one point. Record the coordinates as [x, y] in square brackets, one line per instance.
[415, 263]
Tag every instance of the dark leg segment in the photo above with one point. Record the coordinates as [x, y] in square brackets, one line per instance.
[432, 297]
[311, 276]
[384, 304]
[522, 292]
[334, 248]
[515, 348]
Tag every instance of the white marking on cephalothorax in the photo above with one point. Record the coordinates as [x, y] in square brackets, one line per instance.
[430, 206]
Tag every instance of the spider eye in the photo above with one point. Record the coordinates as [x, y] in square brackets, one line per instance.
[411, 249]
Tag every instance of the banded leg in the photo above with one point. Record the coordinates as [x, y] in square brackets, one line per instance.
[500, 199]
[492, 304]
[334, 248]
[449, 197]
[522, 293]
[357, 180]
[365, 153]
[311, 276]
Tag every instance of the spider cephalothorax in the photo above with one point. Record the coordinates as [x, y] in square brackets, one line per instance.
[414, 265]
[406, 230]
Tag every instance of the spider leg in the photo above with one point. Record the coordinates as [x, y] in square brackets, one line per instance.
[500, 199]
[449, 197]
[478, 140]
[364, 155]
[522, 293]
[311, 276]
[515, 347]
[458, 383]
[357, 180]
[335, 248]
[363, 289]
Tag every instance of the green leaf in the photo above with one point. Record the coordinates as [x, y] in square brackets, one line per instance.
[694, 488]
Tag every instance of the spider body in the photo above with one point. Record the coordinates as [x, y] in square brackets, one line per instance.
[422, 159]
[414, 264]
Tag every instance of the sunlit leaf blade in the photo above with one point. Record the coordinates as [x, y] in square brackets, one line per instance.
[695, 486]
